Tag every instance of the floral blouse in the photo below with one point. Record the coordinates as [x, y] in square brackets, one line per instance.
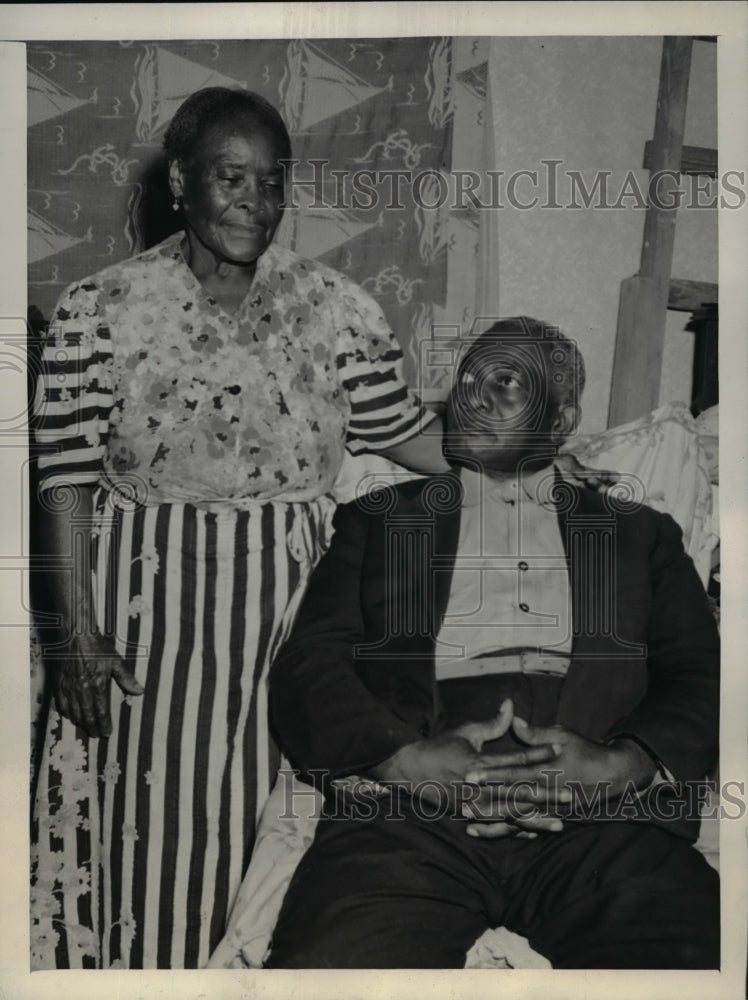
[149, 381]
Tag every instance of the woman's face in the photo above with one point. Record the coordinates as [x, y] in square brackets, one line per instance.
[232, 190]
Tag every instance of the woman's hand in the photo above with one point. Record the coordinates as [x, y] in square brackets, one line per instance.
[594, 479]
[89, 661]
[83, 682]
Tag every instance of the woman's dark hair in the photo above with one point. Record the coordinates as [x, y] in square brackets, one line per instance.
[215, 105]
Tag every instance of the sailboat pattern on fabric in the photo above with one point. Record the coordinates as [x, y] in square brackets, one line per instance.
[46, 240]
[316, 87]
[48, 100]
[162, 82]
[97, 187]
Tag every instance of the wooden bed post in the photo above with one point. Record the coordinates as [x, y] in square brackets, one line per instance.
[640, 332]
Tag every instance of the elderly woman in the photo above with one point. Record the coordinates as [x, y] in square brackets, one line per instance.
[196, 405]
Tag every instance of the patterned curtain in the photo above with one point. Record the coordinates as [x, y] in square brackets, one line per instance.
[360, 107]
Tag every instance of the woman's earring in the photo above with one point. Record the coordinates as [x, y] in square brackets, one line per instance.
[175, 204]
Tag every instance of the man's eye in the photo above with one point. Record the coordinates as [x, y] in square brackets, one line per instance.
[508, 381]
[230, 178]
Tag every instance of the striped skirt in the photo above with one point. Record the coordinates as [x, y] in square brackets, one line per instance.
[141, 839]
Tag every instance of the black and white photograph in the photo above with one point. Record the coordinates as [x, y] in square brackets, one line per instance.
[368, 603]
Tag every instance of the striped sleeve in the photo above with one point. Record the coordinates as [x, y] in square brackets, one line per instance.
[74, 395]
[384, 411]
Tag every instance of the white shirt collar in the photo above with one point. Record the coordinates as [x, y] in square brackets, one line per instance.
[534, 486]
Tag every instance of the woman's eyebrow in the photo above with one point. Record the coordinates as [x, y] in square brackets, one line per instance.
[225, 161]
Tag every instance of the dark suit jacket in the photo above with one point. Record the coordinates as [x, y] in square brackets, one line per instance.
[355, 680]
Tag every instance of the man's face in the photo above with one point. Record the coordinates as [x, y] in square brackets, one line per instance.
[502, 410]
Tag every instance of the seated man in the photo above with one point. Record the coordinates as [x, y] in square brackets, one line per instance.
[569, 816]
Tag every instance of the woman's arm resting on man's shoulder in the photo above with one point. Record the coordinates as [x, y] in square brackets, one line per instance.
[423, 452]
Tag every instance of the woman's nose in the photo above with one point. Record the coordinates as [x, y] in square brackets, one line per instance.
[249, 196]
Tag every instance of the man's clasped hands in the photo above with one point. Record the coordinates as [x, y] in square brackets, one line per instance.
[522, 791]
